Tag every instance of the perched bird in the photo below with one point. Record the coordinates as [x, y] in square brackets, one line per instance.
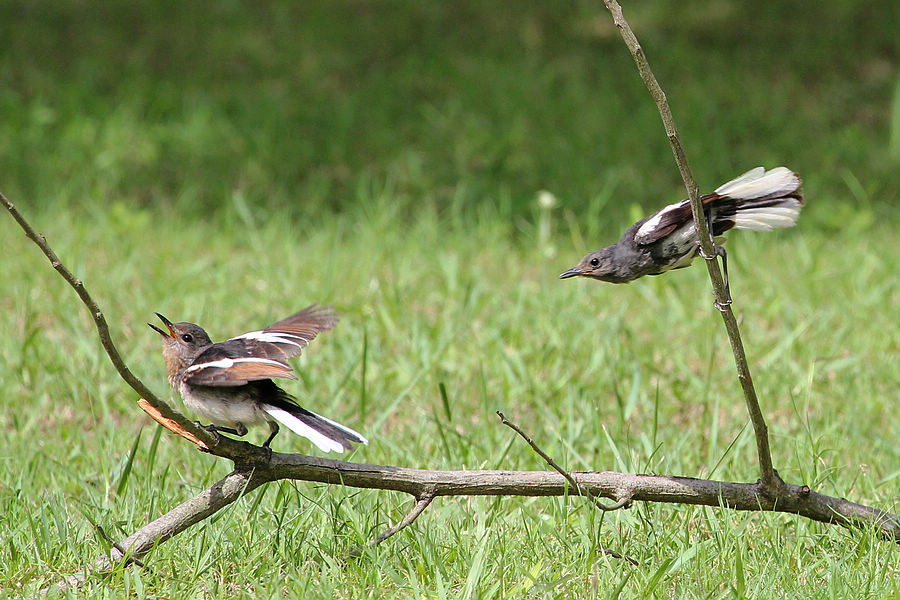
[759, 200]
[230, 383]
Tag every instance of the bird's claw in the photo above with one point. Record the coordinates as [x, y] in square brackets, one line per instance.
[722, 306]
[704, 255]
[211, 429]
[269, 451]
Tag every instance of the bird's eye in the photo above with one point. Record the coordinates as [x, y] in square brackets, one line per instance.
[188, 338]
[595, 262]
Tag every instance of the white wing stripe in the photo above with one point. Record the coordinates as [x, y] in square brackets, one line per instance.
[272, 337]
[227, 363]
[653, 222]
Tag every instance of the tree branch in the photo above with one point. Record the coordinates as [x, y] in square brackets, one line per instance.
[772, 483]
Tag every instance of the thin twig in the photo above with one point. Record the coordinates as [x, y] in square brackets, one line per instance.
[623, 502]
[768, 476]
[103, 329]
[119, 547]
[421, 504]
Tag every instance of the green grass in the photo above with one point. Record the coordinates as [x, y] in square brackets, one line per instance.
[385, 157]
[634, 378]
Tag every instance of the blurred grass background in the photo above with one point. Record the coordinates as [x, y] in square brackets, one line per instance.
[228, 163]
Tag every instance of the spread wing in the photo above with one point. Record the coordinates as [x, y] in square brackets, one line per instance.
[668, 219]
[260, 354]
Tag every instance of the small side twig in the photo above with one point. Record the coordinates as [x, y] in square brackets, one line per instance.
[623, 502]
[119, 547]
[172, 425]
[421, 504]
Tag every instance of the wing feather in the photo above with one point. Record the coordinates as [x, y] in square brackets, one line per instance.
[287, 338]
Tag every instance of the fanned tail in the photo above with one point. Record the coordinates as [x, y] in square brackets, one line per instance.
[763, 200]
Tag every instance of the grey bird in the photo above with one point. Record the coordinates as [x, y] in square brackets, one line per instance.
[230, 383]
[759, 200]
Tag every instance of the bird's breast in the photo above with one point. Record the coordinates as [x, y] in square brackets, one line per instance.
[222, 405]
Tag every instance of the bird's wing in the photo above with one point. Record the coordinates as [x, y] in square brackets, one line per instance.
[668, 219]
[286, 338]
[260, 354]
[232, 363]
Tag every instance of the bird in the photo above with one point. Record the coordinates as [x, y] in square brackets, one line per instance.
[230, 383]
[759, 200]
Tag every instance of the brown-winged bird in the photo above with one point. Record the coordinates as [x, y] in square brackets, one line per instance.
[230, 383]
[759, 200]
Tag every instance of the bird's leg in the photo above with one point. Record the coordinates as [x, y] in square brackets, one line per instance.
[720, 251]
[273, 427]
[239, 429]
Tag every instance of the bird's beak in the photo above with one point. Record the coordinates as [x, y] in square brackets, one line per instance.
[167, 323]
[573, 272]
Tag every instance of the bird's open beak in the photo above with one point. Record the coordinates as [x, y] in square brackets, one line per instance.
[573, 272]
[167, 323]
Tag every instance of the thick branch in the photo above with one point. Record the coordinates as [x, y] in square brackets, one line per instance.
[768, 476]
[794, 499]
[208, 502]
[425, 485]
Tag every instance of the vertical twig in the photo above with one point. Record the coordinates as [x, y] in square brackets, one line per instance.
[768, 476]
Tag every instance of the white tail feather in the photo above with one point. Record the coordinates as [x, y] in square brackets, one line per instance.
[783, 214]
[323, 442]
[361, 438]
[759, 183]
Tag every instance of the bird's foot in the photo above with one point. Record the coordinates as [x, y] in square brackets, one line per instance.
[211, 429]
[268, 451]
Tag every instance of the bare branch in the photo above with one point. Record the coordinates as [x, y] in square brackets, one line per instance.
[769, 477]
[103, 328]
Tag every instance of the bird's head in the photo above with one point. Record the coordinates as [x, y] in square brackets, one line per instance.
[597, 265]
[181, 343]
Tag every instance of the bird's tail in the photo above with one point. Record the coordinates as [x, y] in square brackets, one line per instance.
[763, 200]
[326, 434]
